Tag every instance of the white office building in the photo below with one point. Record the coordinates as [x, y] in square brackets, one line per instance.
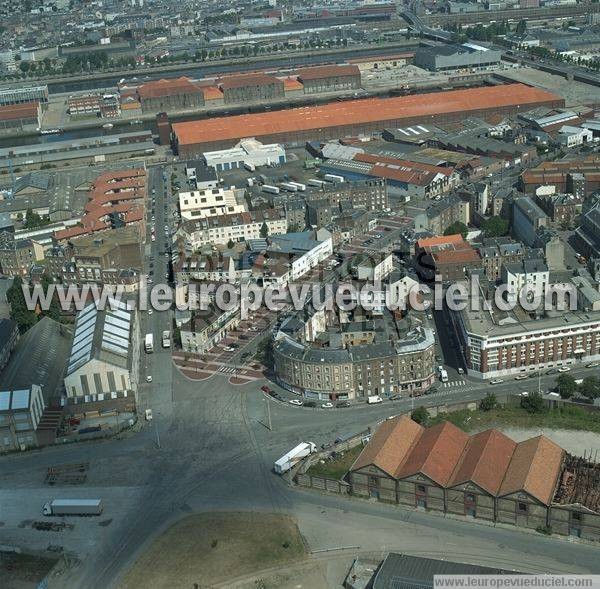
[200, 204]
[574, 136]
[528, 279]
[247, 152]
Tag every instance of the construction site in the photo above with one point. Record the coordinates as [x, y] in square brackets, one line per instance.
[576, 506]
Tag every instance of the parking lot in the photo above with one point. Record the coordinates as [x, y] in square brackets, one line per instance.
[232, 355]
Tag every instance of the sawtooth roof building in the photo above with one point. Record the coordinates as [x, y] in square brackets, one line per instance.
[103, 352]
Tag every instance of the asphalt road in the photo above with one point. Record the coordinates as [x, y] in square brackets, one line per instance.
[215, 454]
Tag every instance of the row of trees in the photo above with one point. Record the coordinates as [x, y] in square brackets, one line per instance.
[568, 387]
[100, 61]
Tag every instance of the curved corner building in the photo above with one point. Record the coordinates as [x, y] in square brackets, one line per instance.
[403, 365]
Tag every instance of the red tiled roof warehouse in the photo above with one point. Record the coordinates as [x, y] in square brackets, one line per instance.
[339, 119]
[116, 192]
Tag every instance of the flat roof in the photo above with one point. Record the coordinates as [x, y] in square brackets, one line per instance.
[358, 112]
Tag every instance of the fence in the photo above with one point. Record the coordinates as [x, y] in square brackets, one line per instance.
[323, 484]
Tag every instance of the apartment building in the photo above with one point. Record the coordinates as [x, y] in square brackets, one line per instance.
[220, 230]
[200, 204]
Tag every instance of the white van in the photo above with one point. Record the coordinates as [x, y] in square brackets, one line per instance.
[374, 399]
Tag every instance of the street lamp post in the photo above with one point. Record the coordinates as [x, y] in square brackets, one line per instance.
[157, 434]
[269, 414]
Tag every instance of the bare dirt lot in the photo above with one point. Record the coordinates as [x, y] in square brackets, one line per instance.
[23, 571]
[211, 548]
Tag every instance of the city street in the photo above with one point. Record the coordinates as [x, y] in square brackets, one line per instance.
[209, 448]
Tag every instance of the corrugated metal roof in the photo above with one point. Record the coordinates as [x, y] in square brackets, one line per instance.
[358, 112]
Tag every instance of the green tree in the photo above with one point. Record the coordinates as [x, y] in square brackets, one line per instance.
[495, 227]
[420, 415]
[566, 386]
[264, 230]
[590, 387]
[521, 27]
[533, 403]
[18, 308]
[457, 227]
[264, 352]
[230, 243]
[489, 402]
[33, 220]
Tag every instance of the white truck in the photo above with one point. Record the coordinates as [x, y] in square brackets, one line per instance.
[166, 339]
[443, 375]
[287, 461]
[301, 187]
[316, 183]
[374, 399]
[250, 166]
[149, 343]
[73, 507]
[270, 189]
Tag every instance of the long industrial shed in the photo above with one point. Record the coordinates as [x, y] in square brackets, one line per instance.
[343, 119]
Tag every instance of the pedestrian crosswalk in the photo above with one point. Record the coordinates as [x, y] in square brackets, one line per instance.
[454, 383]
[227, 369]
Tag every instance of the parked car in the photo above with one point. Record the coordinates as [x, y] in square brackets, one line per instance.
[552, 371]
[265, 389]
[149, 378]
[295, 402]
[396, 397]
[342, 404]
[520, 377]
[496, 381]
[564, 369]
[229, 349]
[592, 365]
[461, 371]
[327, 405]
[310, 404]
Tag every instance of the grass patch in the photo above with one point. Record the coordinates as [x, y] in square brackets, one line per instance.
[572, 418]
[336, 469]
[212, 548]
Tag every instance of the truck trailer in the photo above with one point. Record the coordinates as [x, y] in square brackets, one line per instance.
[73, 507]
[270, 189]
[333, 178]
[287, 461]
[301, 187]
[289, 187]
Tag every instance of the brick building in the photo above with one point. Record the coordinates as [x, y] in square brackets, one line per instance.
[486, 476]
[329, 78]
[170, 95]
[251, 88]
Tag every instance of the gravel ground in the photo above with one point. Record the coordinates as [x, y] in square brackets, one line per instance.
[574, 93]
[573, 441]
